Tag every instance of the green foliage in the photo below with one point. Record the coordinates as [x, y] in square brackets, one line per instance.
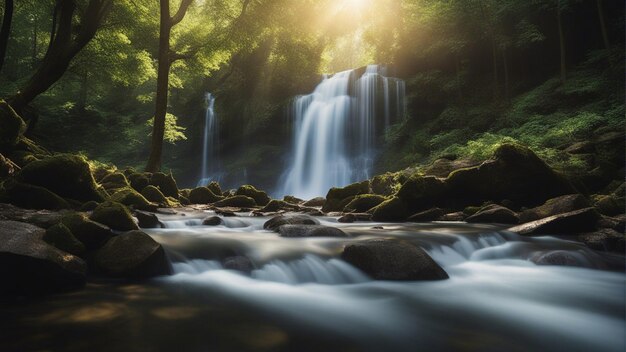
[173, 132]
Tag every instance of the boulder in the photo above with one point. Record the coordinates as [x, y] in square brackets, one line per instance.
[92, 234]
[554, 206]
[236, 201]
[560, 257]
[203, 195]
[89, 206]
[213, 221]
[338, 198]
[276, 205]
[215, 188]
[393, 209]
[260, 197]
[617, 223]
[352, 217]
[564, 224]
[387, 184]
[66, 175]
[114, 215]
[607, 240]
[609, 204]
[133, 254]
[494, 214]
[422, 192]
[32, 197]
[147, 220]
[386, 259]
[239, 263]
[432, 214]
[11, 125]
[293, 200]
[315, 202]
[128, 196]
[166, 184]
[30, 266]
[274, 223]
[39, 218]
[456, 216]
[62, 238]
[114, 181]
[138, 181]
[310, 231]
[363, 203]
[443, 167]
[153, 194]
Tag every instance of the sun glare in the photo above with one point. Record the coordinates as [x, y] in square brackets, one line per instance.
[357, 5]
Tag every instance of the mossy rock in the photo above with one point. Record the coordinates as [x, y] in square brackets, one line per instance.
[609, 204]
[67, 175]
[185, 192]
[423, 192]
[260, 197]
[61, 237]
[138, 181]
[89, 206]
[276, 205]
[166, 184]
[31, 197]
[236, 201]
[11, 125]
[393, 209]
[215, 187]
[363, 203]
[337, 198]
[184, 200]
[293, 200]
[91, 233]
[22, 157]
[387, 184]
[153, 194]
[114, 181]
[115, 215]
[130, 197]
[203, 195]
[172, 202]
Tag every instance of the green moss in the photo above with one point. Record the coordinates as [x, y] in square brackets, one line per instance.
[215, 188]
[11, 125]
[114, 181]
[236, 201]
[203, 195]
[260, 197]
[114, 215]
[67, 175]
[153, 194]
[363, 203]
[62, 238]
[338, 197]
[139, 181]
[185, 192]
[92, 234]
[130, 197]
[393, 209]
[388, 183]
[166, 184]
[31, 197]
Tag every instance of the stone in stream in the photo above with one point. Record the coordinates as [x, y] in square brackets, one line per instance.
[213, 221]
[148, 220]
[240, 201]
[132, 254]
[387, 259]
[275, 205]
[274, 223]
[114, 215]
[567, 223]
[30, 266]
[456, 216]
[91, 233]
[393, 209]
[239, 263]
[310, 231]
[607, 240]
[260, 197]
[315, 202]
[554, 206]
[352, 217]
[62, 238]
[166, 184]
[562, 258]
[40, 218]
[363, 203]
[494, 214]
[432, 214]
[203, 195]
[338, 197]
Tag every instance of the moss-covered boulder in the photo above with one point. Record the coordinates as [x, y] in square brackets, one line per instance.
[554, 206]
[67, 175]
[276, 205]
[337, 198]
[363, 203]
[423, 192]
[153, 194]
[393, 209]
[609, 204]
[130, 197]
[185, 192]
[432, 214]
[300, 219]
[494, 214]
[166, 184]
[30, 197]
[61, 237]
[215, 188]
[260, 197]
[114, 215]
[387, 184]
[574, 222]
[203, 195]
[138, 181]
[114, 181]
[293, 200]
[90, 233]
[315, 202]
[133, 254]
[236, 201]
[11, 125]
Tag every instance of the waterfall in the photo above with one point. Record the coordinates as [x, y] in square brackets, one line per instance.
[335, 129]
[210, 144]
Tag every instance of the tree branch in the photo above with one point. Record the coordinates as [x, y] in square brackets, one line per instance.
[180, 14]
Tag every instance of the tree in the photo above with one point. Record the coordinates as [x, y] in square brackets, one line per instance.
[68, 38]
[5, 30]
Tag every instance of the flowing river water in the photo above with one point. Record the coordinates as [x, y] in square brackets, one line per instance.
[301, 297]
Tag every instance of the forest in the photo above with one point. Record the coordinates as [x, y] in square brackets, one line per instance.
[278, 175]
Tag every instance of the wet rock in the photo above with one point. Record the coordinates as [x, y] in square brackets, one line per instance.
[153, 194]
[617, 223]
[227, 211]
[456, 216]
[274, 223]
[352, 217]
[607, 240]
[114, 181]
[132, 198]
[40, 218]
[562, 258]
[494, 214]
[422, 192]
[567, 223]
[148, 220]
[315, 202]
[239, 263]
[92, 234]
[338, 198]
[215, 188]
[133, 254]
[66, 175]
[363, 203]
[554, 206]
[276, 205]
[260, 198]
[609, 204]
[385, 259]
[62, 238]
[347, 218]
[31, 197]
[213, 221]
[388, 183]
[236, 201]
[139, 181]
[393, 209]
[165, 183]
[310, 231]
[30, 266]
[293, 200]
[432, 214]
[203, 195]
[114, 215]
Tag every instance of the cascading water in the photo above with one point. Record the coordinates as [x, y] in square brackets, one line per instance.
[335, 130]
[210, 144]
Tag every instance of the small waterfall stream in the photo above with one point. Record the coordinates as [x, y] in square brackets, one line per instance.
[210, 144]
[335, 129]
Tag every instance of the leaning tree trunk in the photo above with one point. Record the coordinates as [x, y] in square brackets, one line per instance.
[5, 30]
[561, 41]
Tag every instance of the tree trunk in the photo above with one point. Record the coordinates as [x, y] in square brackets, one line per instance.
[507, 89]
[605, 35]
[561, 41]
[5, 30]
[158, 127]
[34, 53]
